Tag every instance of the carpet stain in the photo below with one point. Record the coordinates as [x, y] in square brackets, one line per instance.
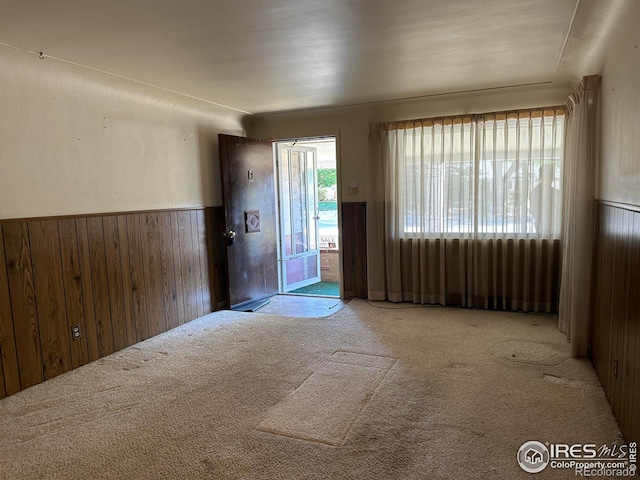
[461, 367]
[568, 382]
[532, 352]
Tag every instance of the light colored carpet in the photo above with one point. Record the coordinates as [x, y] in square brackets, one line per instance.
[416, 393]
[326, 405]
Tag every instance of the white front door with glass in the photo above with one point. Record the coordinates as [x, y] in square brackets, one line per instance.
[298, 184]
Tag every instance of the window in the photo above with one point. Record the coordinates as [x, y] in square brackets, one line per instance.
[481, 176]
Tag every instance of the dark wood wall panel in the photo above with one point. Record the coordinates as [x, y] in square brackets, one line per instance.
[181, 283]
[101, 301]
[153, 274]
[50, 300]
[72, 284]
[115, 282]
[119, 278]
[203, 253]
[23, 303]
[354, 249]
[136, 270]
[631, 408]
[8, 353]
[615, 332]
[194, 261]
[185, 254]
[217, 248]
[127, 289]
[91, 332]
[167, 264]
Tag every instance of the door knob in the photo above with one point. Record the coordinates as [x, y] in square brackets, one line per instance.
[230, 235]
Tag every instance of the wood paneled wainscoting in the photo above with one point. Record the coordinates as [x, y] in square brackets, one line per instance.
[117, 279]
[615, 332]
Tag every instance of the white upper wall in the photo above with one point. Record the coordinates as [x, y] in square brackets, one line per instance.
[75, 141]
[351, 124]
[619, 178]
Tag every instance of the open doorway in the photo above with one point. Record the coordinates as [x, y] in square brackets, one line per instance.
[307, 197]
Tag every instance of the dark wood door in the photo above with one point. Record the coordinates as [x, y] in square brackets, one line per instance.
[248, 192]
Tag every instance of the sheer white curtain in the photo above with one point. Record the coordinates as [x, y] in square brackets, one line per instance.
[466, 210]
[578, 225]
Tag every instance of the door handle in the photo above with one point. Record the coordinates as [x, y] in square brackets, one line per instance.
[230, 235]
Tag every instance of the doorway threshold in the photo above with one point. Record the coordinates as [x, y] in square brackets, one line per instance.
[252, 306]
[303, 306]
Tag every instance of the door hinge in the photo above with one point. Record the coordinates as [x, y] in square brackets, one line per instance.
[615, 369]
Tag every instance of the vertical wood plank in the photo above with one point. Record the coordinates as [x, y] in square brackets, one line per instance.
[354, 249]
[213, 283]
[218, 251]
[137, 277]
[4, 288]
[23, 303]
[50, 301]
[114, 281]
[100, 285]
[186, 260]
[608, 305]
[197, 265]
[634, 428]
[633, 414]
[595, 302]
[605, 365]
[361, 251]
[8, 353]
[620, 320]
[3, 392]
[204, 262]
[127, 289]
[153, 275]
[614, 312]
[167, 266]
[87, 289]
[348, 250]
[181, 300]
[72, 283]
[633, 283]
[603, 297]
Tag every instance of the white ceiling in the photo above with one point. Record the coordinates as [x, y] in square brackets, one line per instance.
[272, 55]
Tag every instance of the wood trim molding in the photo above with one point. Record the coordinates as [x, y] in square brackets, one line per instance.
[105, 214]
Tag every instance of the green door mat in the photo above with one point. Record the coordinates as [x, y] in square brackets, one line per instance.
[329, 289]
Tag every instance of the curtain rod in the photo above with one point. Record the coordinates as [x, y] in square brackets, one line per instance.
[468, 118]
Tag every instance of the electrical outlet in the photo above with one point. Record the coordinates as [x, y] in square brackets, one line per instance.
[75, 332]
